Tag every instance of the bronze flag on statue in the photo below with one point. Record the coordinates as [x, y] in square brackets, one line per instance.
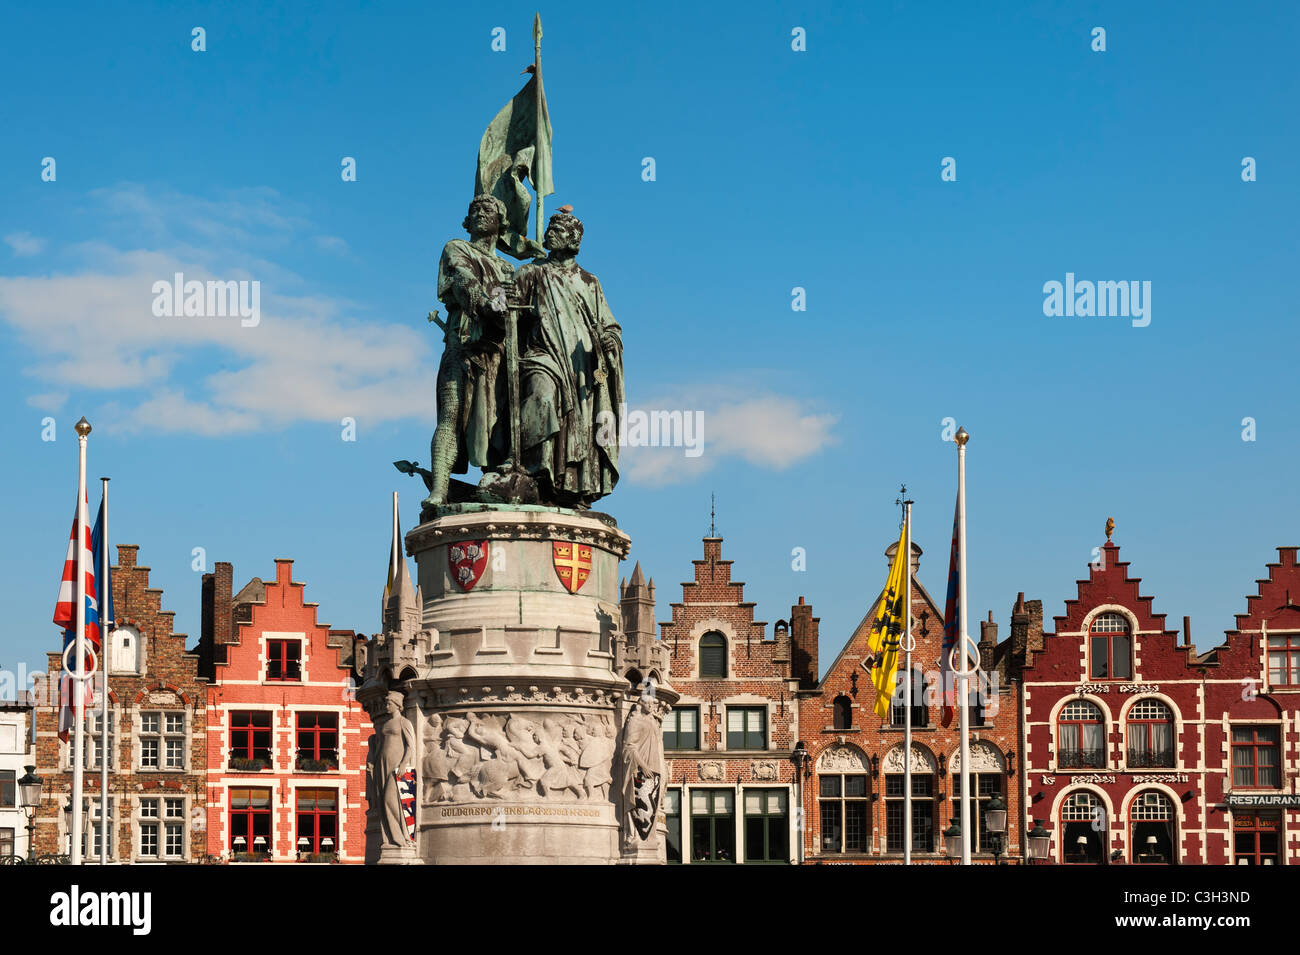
[517, 145]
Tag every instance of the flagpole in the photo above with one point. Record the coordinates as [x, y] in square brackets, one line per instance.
[537, 91]
[907, 668]
[79, 649]
[964, 668]
[105, 600]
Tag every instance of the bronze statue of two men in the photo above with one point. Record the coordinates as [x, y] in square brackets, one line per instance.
[533, 413]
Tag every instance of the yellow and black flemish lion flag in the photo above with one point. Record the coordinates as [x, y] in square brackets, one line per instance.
[887, 632]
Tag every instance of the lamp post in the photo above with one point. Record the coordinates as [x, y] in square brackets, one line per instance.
[29, 788]
[995, 824]
[802, 769]
[1040, 843]
[67, 820]
[952, 844]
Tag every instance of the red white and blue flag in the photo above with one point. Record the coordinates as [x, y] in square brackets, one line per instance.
[406, 790]
[951, 625]
[79, 559]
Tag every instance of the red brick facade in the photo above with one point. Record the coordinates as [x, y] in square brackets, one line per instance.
[1140, 750]
[159, 754]
[854, 771]
[286, 739]
[731, 780]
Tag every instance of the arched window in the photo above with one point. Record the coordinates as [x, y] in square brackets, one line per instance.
[1150, 735]
[1154, 828]
[1083, 823]
[924, 799]
[843, 712]
[1110, 648]
[713, 656]
[1081, 737]
[920, 711]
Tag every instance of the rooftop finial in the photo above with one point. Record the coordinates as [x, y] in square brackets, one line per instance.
[713, 516]
[1110, 528]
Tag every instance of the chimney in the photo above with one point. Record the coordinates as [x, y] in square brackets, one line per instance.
[803, 641]
[988, 642]
[216, 611]
[1019, 626]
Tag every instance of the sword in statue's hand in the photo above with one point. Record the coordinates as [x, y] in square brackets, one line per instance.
[501, 302]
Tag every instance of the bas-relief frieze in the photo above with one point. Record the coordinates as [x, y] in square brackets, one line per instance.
[560, 756]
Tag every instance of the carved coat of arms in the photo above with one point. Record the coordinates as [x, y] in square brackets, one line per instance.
[467, 560]
[572, 564]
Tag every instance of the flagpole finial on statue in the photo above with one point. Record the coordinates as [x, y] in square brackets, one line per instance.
[83, 427]
[961, 437]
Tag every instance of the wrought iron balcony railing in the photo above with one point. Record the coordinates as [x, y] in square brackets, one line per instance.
[1082, 759]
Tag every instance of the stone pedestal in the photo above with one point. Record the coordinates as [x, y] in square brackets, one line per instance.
[511, 687]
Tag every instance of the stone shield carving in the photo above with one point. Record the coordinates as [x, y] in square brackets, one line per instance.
[710, 770]
[467, 561]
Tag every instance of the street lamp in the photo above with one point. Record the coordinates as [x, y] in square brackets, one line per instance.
[67, 821]
[995, 824]
[952, 839]
[1040, 842]
[29, 788]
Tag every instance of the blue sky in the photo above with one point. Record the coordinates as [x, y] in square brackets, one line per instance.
[775, 169]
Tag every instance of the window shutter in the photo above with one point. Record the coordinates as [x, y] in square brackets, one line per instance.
[713, 659]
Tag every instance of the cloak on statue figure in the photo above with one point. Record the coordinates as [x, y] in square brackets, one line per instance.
[571, 368]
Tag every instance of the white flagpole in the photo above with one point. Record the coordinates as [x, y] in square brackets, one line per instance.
[964, 668]
[79, 618]
[104, 600]
[907, 666]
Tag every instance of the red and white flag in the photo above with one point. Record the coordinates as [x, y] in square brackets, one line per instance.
[65, 616]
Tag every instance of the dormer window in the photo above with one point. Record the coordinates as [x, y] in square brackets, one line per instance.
[1110, 648]
[126, 651]
[284, 659]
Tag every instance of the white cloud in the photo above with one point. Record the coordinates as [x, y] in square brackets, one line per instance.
[24, 243]
[332, 243]
[767, 430]
[307, 360]
[50, 401]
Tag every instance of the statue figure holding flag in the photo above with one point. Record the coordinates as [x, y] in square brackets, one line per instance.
[530, 387]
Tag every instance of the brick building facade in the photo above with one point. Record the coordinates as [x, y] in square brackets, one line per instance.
[729, 739]
[16, 754]
[156, 748]
[853, 775]
[286, 738]
[1140, 750]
